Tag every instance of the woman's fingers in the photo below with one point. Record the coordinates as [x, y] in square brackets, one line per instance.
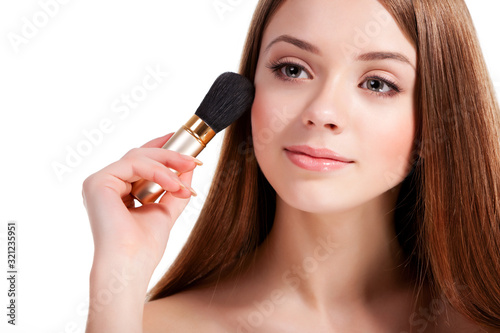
[162, 157]
[149, 163]
[171, 159]
[158, 142]
[169, 198]
[122, 173]
[144, 165]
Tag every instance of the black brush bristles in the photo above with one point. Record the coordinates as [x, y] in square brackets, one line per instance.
[229, 97]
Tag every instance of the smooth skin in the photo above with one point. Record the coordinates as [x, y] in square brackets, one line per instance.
[129, 242]
[332, 262]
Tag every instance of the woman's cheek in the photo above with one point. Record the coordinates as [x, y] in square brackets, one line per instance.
[394, 144]
[269, 117]
[258, 119]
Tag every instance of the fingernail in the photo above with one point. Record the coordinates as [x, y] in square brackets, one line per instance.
[193, 192]
[192, 159]
[181, 184]
[187, 187]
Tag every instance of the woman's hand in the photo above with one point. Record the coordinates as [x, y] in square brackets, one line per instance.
[127, 238]
[118, 227]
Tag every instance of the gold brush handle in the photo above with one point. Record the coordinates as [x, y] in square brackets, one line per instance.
[190, 139]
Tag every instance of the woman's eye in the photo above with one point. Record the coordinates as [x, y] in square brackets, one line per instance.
[294, 72]
[288, 70]
[376, 85]
[381, 86]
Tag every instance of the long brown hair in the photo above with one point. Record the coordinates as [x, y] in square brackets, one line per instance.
[448, 213]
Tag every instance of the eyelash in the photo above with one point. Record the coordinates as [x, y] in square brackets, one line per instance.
[395, 89]
[277, 65]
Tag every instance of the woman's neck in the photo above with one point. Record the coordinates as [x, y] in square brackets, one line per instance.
[351, 257]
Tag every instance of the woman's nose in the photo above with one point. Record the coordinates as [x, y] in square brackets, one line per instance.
[327, 109]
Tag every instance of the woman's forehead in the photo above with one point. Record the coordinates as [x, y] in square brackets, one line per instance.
[339, 25]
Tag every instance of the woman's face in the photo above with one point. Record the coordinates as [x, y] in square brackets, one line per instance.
[333, 116]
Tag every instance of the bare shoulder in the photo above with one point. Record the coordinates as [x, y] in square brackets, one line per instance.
[184, 312]
[165, 315]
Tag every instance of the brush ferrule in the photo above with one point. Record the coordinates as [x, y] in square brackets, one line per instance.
[191, 138]
[199, 129]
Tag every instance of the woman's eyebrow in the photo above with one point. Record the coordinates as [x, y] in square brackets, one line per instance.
[370, 56]
[294, 41]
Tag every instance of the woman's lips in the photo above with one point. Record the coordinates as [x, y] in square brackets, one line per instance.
[315, 159]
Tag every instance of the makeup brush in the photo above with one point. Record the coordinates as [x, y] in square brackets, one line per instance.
[229, 97]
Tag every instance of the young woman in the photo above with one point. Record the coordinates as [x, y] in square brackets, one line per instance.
[359, 194]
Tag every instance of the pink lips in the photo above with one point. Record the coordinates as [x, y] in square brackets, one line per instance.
[315, 159]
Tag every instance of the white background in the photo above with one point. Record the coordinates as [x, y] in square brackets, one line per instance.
[67, 79]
